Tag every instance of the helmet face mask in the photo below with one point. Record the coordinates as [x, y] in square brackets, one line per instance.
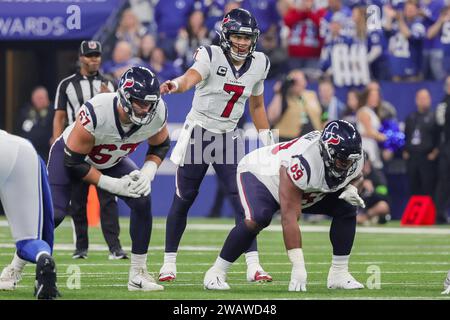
[340, 146]
[139, 94]
[238, 22]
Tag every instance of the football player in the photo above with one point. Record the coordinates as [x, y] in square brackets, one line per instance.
[95, 149]
[317, 173]
[225, 77]
[25, 195]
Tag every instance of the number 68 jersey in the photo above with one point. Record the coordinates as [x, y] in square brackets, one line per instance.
[220, 97]
[100, 117]
[304, 165]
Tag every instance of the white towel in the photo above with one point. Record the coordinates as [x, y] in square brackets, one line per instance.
[184, 138]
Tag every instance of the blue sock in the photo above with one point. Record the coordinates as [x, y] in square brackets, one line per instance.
[238, 241]
[29, 249]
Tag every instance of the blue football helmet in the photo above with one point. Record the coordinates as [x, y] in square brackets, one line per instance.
[139, 85]
[238, 21]
[341, 148]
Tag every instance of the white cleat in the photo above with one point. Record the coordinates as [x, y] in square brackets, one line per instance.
[342, 280]
[447, 284]
[168, 272]
[9, 278]
[215, 280]
[257, 274]
[141, 280]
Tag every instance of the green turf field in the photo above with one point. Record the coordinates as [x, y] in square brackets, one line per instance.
[411, 265]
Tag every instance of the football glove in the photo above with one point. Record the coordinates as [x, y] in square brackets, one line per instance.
[120, 187]
[298, 279]
[142, 179]
[350, 194]
[266, 137]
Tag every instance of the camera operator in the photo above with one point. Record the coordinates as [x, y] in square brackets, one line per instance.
[294, 111]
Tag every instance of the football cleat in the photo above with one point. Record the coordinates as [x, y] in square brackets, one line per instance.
[447, 284]
[9, 278]
[141, 280]
[117, 255]
[257, 274]
[342, 280]
[45, 287]
[168, 272]
[215, 280]
[80, 254]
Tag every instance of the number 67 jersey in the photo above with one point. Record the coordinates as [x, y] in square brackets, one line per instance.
[113, 141]
[304, 165]
[220, 97]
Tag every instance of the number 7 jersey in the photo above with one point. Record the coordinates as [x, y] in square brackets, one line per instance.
[220, 97]
[304, 165]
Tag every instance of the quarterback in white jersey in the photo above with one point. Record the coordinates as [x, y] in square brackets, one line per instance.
[95, 149]
[25, 195]
[317, 173]
[225, 77]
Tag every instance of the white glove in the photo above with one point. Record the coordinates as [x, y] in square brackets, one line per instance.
[120, 187]
[350, 194]
[266, 137]
[298, 274]
[142, 179]
[298, 279]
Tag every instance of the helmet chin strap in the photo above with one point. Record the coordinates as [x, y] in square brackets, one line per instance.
[237, 56]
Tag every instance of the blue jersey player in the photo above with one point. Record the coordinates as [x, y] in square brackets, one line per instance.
[25, 195]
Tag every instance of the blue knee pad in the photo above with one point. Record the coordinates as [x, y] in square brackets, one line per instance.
[29, 249]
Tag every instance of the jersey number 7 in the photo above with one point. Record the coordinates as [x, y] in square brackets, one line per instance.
[238, 91]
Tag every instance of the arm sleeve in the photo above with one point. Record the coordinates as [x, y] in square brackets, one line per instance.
[202, 62]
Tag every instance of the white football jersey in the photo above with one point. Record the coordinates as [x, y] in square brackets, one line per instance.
[304, 165]
[220, 97]
[100, 117]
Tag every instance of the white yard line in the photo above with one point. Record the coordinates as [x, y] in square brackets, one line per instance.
[277, 228]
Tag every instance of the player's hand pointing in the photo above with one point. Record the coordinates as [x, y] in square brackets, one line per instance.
[169, 86]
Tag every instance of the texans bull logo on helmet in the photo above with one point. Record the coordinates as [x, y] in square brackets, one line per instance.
[129, 83]
[330, 136]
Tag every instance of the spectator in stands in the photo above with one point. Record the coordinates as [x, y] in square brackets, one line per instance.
[368, 125]
[304, 40]
[421, 146]
[164, 69]
[265, 12]
[171, 16]
[406, 34]
[442, 199]
[332, 107]
[35, 122]
[433, 54]
[440, 31]
[122, 60]
[277, 55]
[384, 110]
[148, 43]
[190, 38]
[130, 30]
[333, 7]
[294, 111]
[371, 37]
[336, 40]
[352, 106]
[375, 195]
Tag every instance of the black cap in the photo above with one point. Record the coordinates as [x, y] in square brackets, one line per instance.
[87, 47]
